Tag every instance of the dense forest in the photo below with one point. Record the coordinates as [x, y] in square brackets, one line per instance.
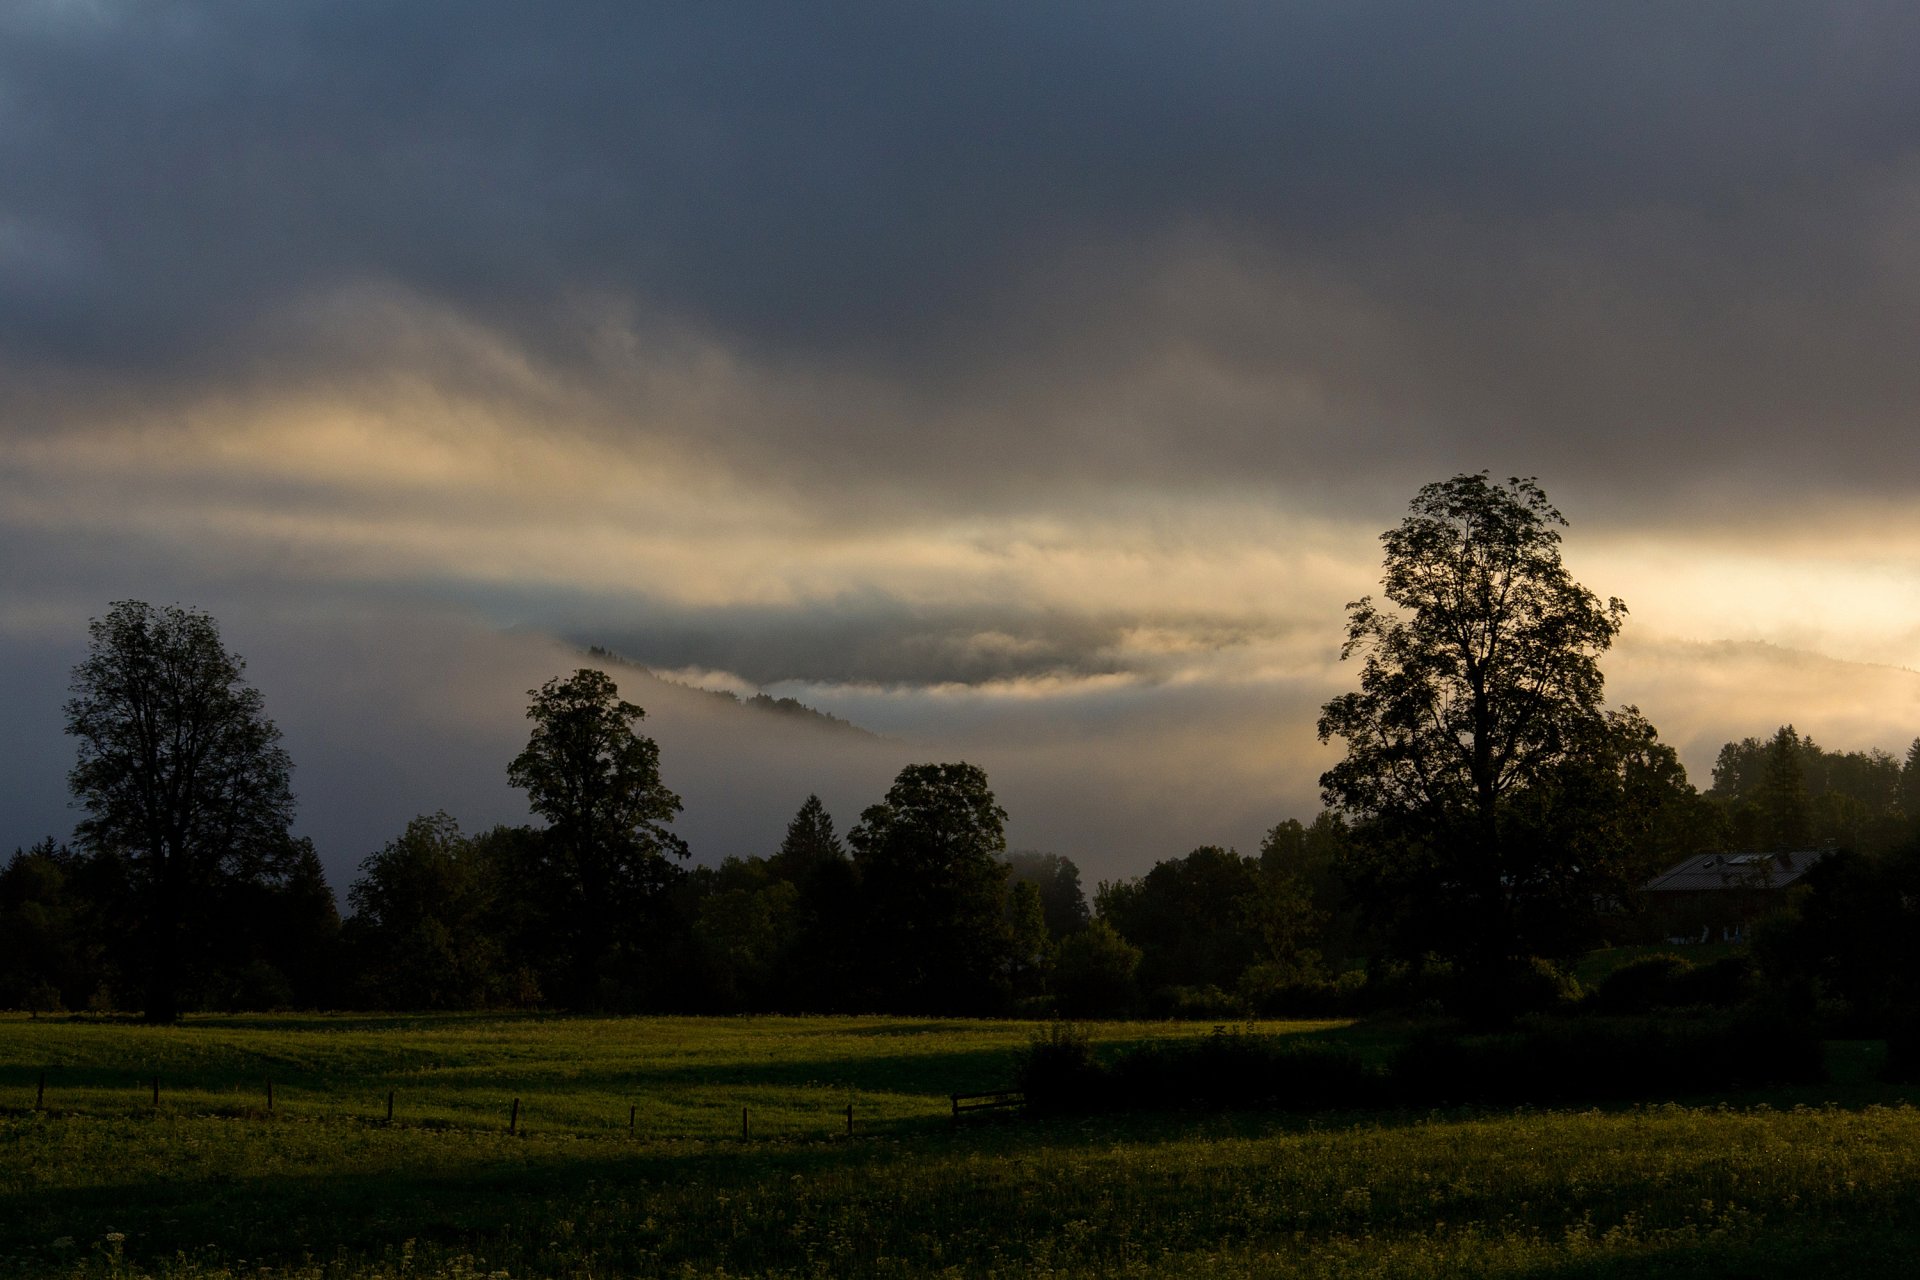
[441, 918]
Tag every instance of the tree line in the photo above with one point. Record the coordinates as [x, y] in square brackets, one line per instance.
[1490, 815]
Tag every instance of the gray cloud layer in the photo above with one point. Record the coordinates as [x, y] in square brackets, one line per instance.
[1012, 246]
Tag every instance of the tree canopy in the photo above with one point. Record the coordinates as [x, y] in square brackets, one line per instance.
[179, 770]
[605, 853]
[1480, 683]
[934, 888]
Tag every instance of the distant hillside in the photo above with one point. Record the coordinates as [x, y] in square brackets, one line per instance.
[760, 702]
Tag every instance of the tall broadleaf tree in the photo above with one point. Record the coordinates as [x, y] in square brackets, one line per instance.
[1480, 683]
[607, 847]
[179, 771]
[933, 884]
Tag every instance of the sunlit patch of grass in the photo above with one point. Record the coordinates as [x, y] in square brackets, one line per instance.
[669, 1077]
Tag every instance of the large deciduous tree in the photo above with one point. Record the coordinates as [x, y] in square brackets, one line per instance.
[607, 846]
[934, 888]
[1480, 695]
[424, 933]
[180, 772]
[1191, 917]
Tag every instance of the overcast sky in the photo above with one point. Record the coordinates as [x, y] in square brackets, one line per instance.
[1026, 381]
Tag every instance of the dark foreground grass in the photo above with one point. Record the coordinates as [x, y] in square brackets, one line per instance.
[112, 1187]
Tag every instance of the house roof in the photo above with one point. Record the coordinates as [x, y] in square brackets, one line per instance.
[1714, 871]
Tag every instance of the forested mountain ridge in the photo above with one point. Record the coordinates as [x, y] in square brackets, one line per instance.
[758, 702]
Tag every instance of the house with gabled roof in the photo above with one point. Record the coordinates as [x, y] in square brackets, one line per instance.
[1718, 896]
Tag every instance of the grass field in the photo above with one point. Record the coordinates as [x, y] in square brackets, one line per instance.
[208, 1183]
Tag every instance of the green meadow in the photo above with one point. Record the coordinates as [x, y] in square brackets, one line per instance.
[627, 1159]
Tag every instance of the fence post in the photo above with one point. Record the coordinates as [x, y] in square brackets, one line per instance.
[631, 1112]
[513, 1120]
[156, 1091]
[849, 1119]
[389, 1106]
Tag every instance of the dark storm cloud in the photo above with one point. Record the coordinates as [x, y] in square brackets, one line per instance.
[1105, 241]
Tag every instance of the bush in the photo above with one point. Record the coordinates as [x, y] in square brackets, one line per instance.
[1058, 1072]
[1640, 985]
[1670, 982]
[1903, 1048]
[1093, 973]
[1036, 1008]
[1532, 985]
[1348, 995]
[1725, 983]
[1227, 1069]
[1606, 1059]
[1195, 1004]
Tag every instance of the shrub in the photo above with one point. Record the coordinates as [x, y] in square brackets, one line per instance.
[1392, 985]
[42, 997]
[1603, 1059]
[1532, 985]
[1724, 983]
[1195, 1004]
[1670, 982]
[1903, 1048]
[1240, 1069]
[1058, 1072]
[1093, 973]
[1348, 995]
[1640, 985]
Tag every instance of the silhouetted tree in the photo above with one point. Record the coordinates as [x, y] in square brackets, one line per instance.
[1661, 818]
[1857, 935]
[933, 889]
[1193, 918]
[1788, 790]
[1287, 925]
[818, 967]
[597, 783]
[1057, 880]
[180, 771]
[1480, 682]
[275, 938]
[1314, 858]
[1785, 818]
[1093, 973]
[745, 930]
[1030, 947]
[809, 844]
[46, 960]
[423, 933]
